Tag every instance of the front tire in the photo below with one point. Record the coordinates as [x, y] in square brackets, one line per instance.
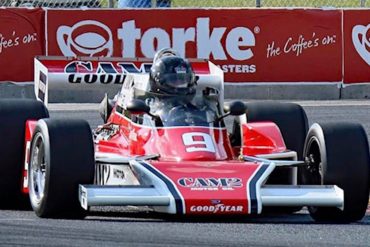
[338, 154]
[13, 116]
[62, 157]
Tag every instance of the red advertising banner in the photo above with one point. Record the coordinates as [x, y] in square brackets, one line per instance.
[250, 45]
[21, 39]
[356, 31]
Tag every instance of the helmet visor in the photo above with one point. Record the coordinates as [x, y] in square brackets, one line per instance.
[177, 80]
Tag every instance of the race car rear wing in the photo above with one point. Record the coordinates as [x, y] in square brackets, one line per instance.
[100, 75]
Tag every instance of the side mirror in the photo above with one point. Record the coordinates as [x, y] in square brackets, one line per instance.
[236, 108]
[137, 106]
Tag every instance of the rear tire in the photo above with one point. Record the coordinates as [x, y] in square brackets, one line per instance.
[289, 117]
[338, 154]
[62, 157]
[292, 122]
[13, 116]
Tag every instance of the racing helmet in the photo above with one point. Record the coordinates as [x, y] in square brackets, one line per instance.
[165, 52]
[171, 75]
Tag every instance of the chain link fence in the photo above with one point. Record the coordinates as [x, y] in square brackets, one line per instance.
[183, 3]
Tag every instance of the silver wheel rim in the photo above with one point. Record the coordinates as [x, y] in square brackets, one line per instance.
[37, 170]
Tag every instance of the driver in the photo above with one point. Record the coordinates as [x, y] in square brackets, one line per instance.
[173, 85]
[171, 75]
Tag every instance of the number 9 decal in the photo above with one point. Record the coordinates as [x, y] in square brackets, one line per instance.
[198, 142]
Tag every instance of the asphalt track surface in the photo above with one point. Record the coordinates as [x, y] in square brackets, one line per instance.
[127, 227]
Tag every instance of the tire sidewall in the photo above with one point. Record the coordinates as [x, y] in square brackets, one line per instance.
[316, 135]
[42, 130]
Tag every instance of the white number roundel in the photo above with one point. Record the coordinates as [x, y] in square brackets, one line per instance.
[198, 142]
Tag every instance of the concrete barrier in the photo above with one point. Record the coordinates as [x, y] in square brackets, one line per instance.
[263, 91]
[356, 91]
[81, 96]
[19, 90]
[283, 91]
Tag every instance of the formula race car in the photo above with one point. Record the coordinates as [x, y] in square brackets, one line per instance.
[164, 145]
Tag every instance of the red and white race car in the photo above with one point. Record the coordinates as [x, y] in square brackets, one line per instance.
[165, 145]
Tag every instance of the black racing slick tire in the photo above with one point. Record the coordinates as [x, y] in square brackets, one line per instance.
[13, 116]
[289, 117]
[338, 154]
[62, 157]
[293, 124]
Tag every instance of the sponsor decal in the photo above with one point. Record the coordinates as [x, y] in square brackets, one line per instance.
[93, 38]
[245, 44]
[361, 41]
[102, 72]
[238, 45]
[42, 86]
[107, 174]
[198, 142]
[21, 39]
[118, 174]
[180, 69]
[215, 201]
[218, 208]
[102, 174]
[85, 38]
[211, 183]
[299, 45]
[106, 67]
[356, 46]
[97, 78]
[14, 40]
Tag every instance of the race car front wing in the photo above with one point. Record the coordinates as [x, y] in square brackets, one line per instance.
[185, 194]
